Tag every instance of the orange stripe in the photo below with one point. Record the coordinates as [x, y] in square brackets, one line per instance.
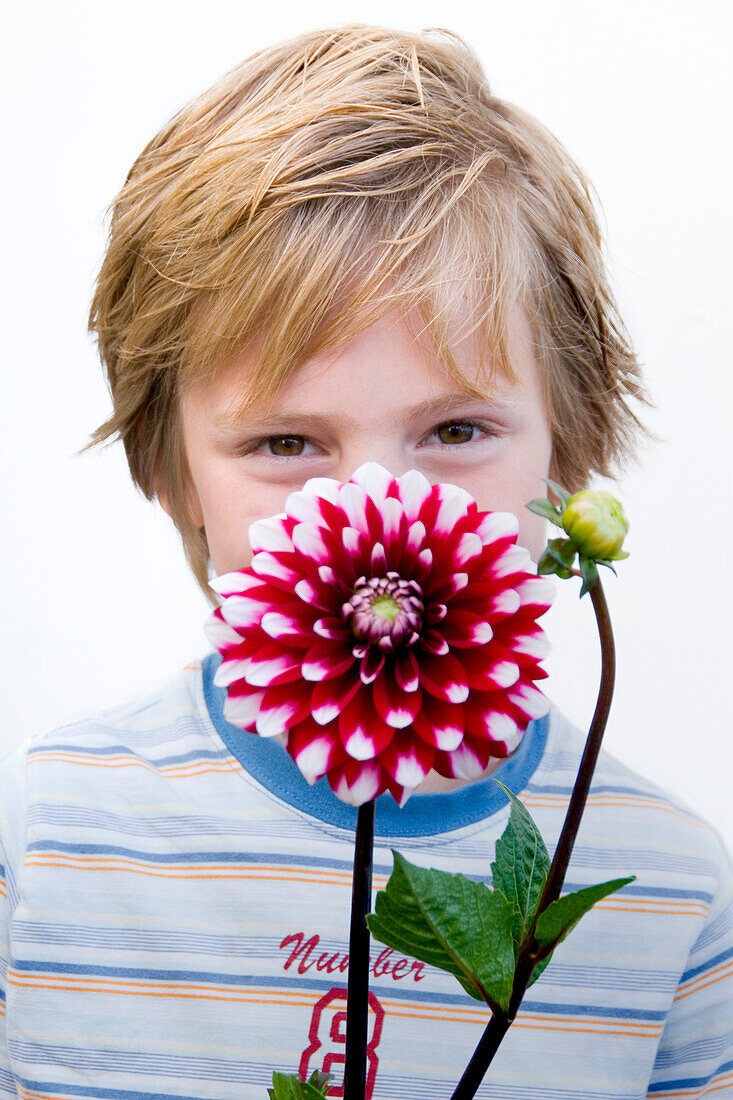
[127, 863]
[325, 878]
[176, 771]
[558, 801]
[704, 985]
[192, 991]
[722, 1083]
[691, 982]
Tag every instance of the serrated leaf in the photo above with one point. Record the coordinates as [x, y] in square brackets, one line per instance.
[589, 573]
[288, 1086]
[562, 915]
[562, 494]
[521, 865]
[451, 922]
[541, 506]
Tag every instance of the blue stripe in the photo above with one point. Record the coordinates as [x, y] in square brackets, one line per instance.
[258, 982]
[105, 1093]
[691, 1082]
[112, 750]
[716, 961]
[424, 815]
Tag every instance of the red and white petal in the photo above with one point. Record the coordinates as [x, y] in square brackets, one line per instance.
[415, 539]
[397, 707]
[332, 628]
[515, 559]
[504, 603]
[291, 625]
[407, 760]
[440, 724]
[498, 527]
[222, 636]
[315, 594]
[414, 491]
[536, 645]
[444, 677]
[531, 702]
[279, 568]
[406, 670]
[273, 664]
[324, 488]
[363, 733]
[432, 641]
[234, 583]
[453, 504]
[352, 501]
[314, 749]
[231, 670]
[489, 671]
[377, 482]
[536, 594]
[270, 534]
[282, 707]
[498, 728]
[463, 629]
[469, 761]
[356, 782]
[325, 660]
[329, 698]
[372, 664]
[242, 706]
[311, 542]
[392, 517]
[468, 547]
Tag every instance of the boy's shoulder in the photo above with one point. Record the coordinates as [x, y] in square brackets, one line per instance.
[172, 708]
[629, 817]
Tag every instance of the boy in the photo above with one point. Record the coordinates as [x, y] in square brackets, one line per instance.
[347, 250]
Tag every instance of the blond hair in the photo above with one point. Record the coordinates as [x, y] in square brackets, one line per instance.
[324, 182]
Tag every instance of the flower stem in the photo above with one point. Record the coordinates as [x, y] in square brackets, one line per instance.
[500, 1022]
[357, 996]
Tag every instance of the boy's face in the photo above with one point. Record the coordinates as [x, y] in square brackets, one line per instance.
[383, 397]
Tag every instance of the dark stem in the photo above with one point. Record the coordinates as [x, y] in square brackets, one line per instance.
[500, 1022]
[357, 996]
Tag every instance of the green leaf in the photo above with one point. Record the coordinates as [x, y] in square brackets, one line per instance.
[589, 573]
[288, 1086]
[558, 557]
[451, 922]
[562, 915]
[544, 507]
[521, 865]
[562, 494]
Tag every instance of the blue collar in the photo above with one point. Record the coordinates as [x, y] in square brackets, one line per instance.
[267, 761]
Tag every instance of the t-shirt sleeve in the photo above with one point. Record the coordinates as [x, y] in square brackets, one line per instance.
[695, 1053]
[12, 851]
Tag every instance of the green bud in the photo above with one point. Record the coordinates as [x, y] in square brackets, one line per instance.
[596, 523]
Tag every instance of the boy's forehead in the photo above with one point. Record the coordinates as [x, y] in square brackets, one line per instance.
[396, 353]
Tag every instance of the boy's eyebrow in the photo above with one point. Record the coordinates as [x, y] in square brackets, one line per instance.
[231, 418]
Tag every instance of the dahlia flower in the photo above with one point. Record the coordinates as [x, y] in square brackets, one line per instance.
[384, 627]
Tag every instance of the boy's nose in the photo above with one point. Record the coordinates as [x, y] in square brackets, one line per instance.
[387, 453]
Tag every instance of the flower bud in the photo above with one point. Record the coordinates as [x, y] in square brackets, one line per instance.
[597, 525]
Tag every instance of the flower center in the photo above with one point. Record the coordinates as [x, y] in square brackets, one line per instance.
[385, 610]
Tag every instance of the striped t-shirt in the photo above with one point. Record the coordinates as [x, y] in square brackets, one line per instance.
[176, 911]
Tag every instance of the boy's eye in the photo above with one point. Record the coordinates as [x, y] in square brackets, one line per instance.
[455, 433]
[285, 446]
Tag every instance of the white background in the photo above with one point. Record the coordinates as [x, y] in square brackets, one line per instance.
[97, 604]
